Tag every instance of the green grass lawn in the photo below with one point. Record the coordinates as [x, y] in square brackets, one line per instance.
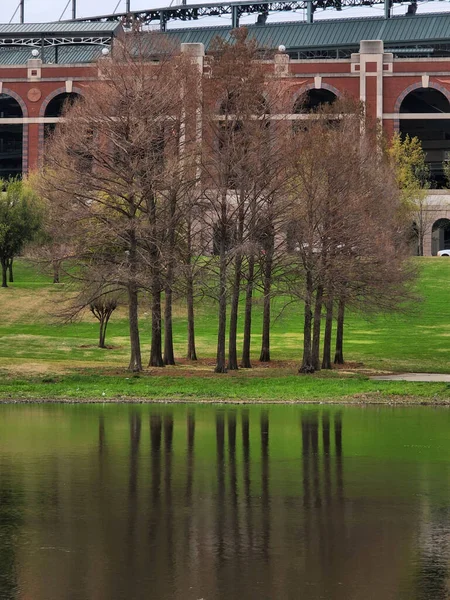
[38, 352]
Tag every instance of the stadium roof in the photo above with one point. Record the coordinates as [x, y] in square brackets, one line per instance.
[64, 42]
[335, 33]
[57, 28]
[70, 42]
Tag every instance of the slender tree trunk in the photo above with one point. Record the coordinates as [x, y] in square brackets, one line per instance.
[10, 270]
[307, 365]
[220, 361]
[56, 265]
[421, 233]
[135, 343]
[4, 273]
[234, 312]
[326, 360]
[316, 329]
[101, 341]
[169, 357]
[156, 359]
[135, 358]
[267, 274]
[222, 316]
[191, 352]
[246, 363]
[103, 326]
[339, 355]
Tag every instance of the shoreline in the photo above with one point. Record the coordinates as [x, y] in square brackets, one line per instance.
[356, 400]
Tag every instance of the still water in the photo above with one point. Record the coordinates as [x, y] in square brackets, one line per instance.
[126, 502]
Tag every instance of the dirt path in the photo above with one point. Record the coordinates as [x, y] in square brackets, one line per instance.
[426, 377]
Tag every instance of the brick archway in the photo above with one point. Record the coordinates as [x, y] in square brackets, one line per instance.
[411, 88]
[57, 92]
[311, 86]
[43, 108]
[24, 108]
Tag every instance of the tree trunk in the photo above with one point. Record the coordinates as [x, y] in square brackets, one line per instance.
[421, 234]
[267, 273]
[246, 363]
[156, 359]
[191, 352]
[4, 273]
[307, 365]
[101, 341]
[222, 316]
[234, 313]
[10, 270]
[326, 360]
[135, 358]
[56, 269]
[169, 357]
[103, 325]
[220, 359]
[316, 329]
[339, 355]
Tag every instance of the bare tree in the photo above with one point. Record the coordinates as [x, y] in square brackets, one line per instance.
[239, 169]
[348, 231]
[102, 308]
[108, 156]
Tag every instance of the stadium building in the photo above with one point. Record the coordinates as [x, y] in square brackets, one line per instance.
[399, 67]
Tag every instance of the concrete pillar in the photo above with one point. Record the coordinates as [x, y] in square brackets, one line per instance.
[372, 63]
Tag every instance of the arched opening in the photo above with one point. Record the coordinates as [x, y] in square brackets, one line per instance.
[440, 236]
[11, 138]
[313, 99]
[56, 107]
[433, 133]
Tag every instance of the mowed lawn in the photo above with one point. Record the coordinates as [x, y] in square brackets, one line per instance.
[35, 343]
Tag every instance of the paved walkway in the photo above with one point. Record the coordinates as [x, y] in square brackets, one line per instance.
[414, 377]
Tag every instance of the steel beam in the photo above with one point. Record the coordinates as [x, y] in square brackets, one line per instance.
[191, 12]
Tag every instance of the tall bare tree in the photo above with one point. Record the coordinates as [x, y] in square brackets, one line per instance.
[109, 157]
[348, 232]
[239, 170]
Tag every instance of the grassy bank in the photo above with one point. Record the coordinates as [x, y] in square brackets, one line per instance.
[287, 388]
[40, 357]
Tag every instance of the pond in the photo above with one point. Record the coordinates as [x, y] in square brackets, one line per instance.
[184, 502]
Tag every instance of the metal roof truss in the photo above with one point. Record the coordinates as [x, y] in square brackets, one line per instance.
[192, 12]
[43, 41]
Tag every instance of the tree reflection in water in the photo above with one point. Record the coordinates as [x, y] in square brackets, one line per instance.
[217, 503]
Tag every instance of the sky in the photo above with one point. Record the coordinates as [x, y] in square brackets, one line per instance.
[40, 11]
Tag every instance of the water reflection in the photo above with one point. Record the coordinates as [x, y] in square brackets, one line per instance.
[11, 508]
[253, 502]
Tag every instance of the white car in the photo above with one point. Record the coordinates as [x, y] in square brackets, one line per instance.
[443, 253]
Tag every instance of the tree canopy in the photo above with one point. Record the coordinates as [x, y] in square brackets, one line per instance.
[20, 220]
